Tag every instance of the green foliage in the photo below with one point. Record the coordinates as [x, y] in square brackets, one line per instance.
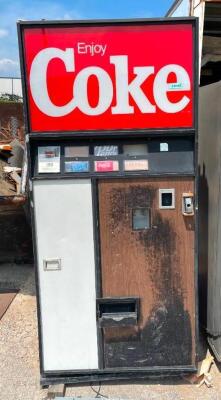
[10, 98]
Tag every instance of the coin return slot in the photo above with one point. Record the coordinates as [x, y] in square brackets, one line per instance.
[187, 206]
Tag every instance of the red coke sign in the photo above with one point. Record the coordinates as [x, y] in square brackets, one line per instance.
[110, 76]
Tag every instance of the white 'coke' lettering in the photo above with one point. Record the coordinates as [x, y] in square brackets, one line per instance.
[39, 90]
[38, 80]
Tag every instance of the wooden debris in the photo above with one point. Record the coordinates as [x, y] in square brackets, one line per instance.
[5, 147]
[17, 180]
[14, 200]
[12, 175]
[24, 173]
[6, 298]
[203, 374]
[11, 169]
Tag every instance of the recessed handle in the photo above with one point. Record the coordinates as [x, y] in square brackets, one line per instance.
[52, 264]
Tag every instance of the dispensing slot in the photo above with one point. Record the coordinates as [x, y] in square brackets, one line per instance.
[117, 312]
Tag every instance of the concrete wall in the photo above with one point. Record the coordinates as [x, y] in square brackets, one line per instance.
[10, 86]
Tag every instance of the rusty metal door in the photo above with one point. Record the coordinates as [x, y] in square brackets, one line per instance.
[147, 252]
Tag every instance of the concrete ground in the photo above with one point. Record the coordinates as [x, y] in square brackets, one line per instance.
[19, 365]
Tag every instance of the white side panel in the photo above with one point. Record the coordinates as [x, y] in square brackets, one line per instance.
[64, 230]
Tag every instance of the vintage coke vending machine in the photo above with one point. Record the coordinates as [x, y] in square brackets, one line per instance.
[111, 124]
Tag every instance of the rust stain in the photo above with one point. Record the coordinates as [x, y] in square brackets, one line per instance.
[163, 336]
[122, 199]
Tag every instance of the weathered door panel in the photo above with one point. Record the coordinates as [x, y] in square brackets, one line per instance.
[156, 265]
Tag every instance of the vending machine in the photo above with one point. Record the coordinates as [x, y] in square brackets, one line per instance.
[111, 132]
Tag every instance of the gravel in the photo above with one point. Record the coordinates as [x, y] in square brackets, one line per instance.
[19, 363]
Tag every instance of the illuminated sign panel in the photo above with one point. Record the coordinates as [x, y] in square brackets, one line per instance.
[106, 166]
[133, 76]
[136, 165]
[76, 166]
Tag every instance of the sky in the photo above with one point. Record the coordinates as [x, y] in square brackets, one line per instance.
[13, 10]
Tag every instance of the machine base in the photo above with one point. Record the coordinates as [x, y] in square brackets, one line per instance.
[119, 376]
